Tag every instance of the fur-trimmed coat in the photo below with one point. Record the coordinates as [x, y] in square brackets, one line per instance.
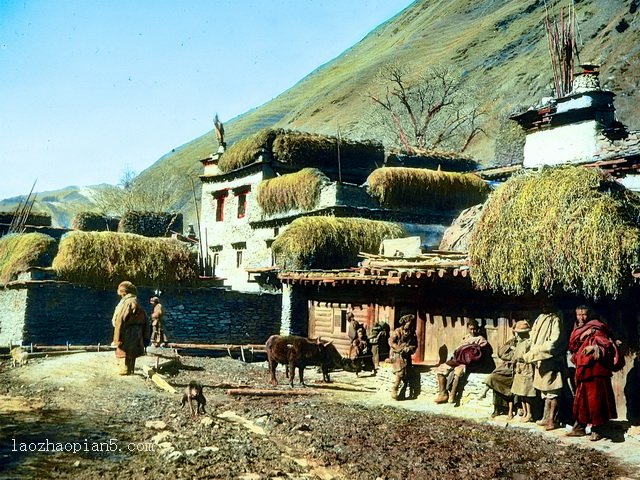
[130, 328]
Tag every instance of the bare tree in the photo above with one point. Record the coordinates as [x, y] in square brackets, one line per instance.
[438, 109]
[132, 194]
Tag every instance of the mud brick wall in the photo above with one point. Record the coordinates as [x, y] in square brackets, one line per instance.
[54, 313]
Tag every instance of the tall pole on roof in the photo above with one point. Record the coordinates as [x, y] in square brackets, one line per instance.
[338, 144]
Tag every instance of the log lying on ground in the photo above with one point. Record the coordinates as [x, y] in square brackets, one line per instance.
[261, 392]
[158, 379]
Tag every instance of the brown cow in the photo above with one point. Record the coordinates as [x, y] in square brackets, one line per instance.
[300, 352]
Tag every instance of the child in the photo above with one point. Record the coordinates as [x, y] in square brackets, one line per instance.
[522, 385]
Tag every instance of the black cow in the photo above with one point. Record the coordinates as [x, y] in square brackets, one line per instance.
[300, 352]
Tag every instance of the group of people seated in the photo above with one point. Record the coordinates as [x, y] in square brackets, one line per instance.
[366, 352]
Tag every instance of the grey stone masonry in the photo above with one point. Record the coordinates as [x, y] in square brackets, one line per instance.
[53, 313]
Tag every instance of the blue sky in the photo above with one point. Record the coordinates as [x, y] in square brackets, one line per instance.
[89, 88]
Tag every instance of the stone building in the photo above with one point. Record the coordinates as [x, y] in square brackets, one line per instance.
[238, 232]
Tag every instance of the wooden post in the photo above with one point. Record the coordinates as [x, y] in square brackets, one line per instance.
[242, 354]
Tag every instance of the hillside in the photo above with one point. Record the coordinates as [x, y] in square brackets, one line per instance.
[500, 45]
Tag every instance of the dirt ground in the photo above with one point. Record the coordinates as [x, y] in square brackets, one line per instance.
[127, 427]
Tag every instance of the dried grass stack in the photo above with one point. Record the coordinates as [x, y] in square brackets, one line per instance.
[94, 222]
[106, 258]
[295, 191]
[300, 149]
[567, 228]
[330, 242]
[151, 224]
[20, 251]
[416, 188]
[36, 219]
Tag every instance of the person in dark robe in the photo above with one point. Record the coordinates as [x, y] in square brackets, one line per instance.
[500, 381]
[594, 353]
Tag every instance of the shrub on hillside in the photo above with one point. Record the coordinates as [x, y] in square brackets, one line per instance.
[108, 258]
[94, 222]
[151, 224]
[19, 251]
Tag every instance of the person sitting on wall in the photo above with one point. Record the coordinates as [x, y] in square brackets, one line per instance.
[469, 352]
[501, 379]
[361, 353]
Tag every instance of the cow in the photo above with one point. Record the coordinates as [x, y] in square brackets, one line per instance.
[294, 351]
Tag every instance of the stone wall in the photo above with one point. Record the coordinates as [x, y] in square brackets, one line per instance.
[54, 313]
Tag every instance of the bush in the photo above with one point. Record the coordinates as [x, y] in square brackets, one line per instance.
[108, 258]
[19, 251]
[151, 224]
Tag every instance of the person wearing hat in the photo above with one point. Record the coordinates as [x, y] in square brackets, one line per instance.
[404, 343]
[158, 335]
[129, 327]
[522, 386]
[547, 356]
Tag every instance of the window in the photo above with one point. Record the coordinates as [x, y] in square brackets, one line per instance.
[242, 205]
[220, 209]
[343, 321]
[218, 198]
[239, 247]
[238, 258]
[216, 259]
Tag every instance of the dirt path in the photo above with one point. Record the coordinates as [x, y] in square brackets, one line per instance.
[127, 427]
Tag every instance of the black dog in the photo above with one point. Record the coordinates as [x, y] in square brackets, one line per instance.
[194, 393]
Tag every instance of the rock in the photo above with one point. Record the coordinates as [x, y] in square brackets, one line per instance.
[166, 447]
[76, 463]
[155, 424]
[160, 437]
[302, 427]
[210, 449]
[190, 453]
[174, 456]
[206, 421]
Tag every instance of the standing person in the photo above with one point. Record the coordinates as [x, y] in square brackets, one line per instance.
[547, 355]
[379, 342]
[404, 343]
[523, 373]
[352, 326]
[468, 353]
[594, 353]
[129, 322]
[158, 335]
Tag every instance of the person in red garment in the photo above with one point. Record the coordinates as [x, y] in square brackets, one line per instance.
[595, 354]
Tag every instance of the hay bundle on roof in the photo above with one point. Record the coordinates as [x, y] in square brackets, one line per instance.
[108, 258]
[247, 150]
[399, 187]
[20, 251]
[94, 222]
[295, 191]
[330, 242]
[36, 219]
[151, 224]
[566, 228]
[300, 149]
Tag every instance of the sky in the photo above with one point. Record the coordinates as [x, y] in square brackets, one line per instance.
[90, 89]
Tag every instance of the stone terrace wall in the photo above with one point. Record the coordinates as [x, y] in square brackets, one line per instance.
[54, 313]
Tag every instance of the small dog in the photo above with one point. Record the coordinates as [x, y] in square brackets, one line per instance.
[192, 393]
[19, 356]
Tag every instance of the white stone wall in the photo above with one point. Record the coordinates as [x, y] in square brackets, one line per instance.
[228, 233]
[574, 143]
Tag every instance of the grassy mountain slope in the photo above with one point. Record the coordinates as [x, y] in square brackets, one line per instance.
[500, 44]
